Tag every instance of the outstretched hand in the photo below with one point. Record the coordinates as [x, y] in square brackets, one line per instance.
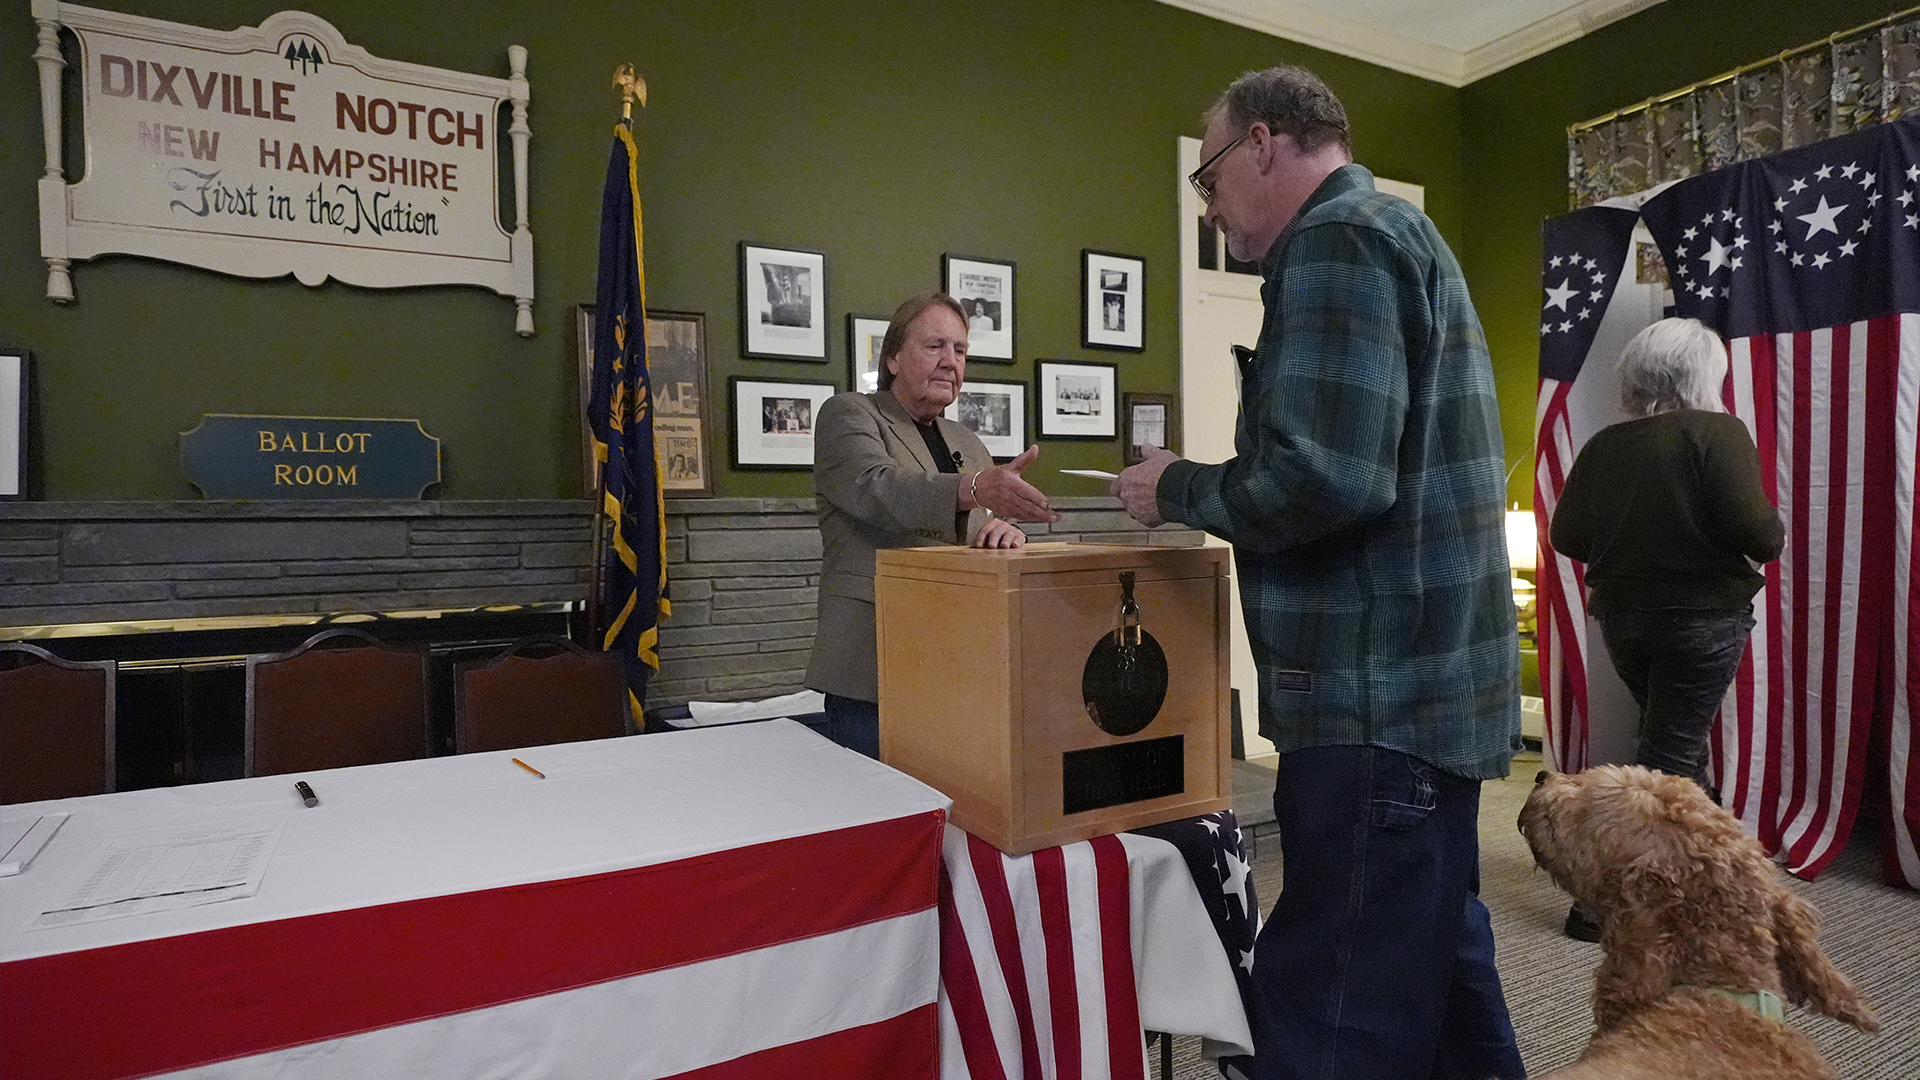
[1002, 490]
[1137, 488]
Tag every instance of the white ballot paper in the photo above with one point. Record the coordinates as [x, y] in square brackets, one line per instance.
[135, 875]
[1095, 474]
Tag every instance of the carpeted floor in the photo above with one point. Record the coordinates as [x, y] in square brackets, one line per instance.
[1871, 930]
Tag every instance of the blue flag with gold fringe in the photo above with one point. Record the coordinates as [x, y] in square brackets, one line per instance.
[633, 566]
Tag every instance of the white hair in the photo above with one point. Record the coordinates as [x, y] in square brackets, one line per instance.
[1673, 364]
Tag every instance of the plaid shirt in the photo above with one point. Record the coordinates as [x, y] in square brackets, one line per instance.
[1364, 500]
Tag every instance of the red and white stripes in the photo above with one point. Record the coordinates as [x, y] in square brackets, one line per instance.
[1835, 414]
[1903, 636]
[1561, 592]
[1822, 408]
[1027, 990]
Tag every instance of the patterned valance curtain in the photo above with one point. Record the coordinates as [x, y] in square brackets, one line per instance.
[1849, 81]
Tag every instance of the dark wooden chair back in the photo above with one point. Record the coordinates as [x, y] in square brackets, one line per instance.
[541, 689]
[56, 725]
[341, 698]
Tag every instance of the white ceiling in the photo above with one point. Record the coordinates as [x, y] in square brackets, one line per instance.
[1449, 41]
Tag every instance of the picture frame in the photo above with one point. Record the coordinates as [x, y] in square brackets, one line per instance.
[682, 417]
[677, 374]
[996, 411]
[16, 393]
[783, 302]
[583, 357]
[1146, 420]
[864, 335]
[984, 288]
[1112, 301]
[773, 421]
[1076, 399]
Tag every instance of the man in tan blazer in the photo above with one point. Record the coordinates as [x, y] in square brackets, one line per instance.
[890, 471]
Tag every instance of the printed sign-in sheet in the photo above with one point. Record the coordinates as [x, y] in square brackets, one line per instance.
[140, 874]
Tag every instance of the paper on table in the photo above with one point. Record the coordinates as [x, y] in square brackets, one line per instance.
[1093, 473]
[22, 839]
[182, 869]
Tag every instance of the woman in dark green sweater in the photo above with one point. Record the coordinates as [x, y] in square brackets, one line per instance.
[1667, 511]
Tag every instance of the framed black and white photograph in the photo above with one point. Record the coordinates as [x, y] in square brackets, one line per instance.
[996, 411]
[783, 303]
[864, 335]
[773, 422]
[1147, 420]
[1076, 400]
[984, 288]
[1112, 293]
[677, 372]
[16, 375]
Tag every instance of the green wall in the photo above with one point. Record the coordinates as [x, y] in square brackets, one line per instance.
[1516, 151]
[884, 133]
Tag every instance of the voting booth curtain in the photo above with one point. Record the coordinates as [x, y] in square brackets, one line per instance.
[1807, 262]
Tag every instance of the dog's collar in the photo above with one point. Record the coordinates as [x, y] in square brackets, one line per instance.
[1764, 1002]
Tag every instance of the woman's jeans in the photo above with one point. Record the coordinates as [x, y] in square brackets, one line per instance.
[1677, 664]
[1377, 962]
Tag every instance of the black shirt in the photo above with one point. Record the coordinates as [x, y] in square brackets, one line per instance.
[946, 460]
[1665, 511]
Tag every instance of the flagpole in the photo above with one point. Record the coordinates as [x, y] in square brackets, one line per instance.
[631, 87]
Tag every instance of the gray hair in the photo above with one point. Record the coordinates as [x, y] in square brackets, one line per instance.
[1673, 364]
[902, 321]
[1290, 101]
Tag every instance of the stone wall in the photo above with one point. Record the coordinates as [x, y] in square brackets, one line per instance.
[744, 573]
[95, 562]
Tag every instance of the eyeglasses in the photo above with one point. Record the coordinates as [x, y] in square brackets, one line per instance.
[1206, 190]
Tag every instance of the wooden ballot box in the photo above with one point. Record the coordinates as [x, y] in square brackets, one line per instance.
[996, 687]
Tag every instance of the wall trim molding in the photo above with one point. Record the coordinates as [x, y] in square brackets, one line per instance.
[1362, 41]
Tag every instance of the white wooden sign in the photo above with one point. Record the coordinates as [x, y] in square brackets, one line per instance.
[281, 150]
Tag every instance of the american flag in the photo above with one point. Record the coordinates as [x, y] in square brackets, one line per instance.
[1586, 251]
[1222, 867]
[1808, 263]
[1053, 964]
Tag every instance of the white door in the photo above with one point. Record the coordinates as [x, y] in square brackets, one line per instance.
[1220, 308]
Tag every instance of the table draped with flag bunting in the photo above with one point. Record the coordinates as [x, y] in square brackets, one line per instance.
[1807, 262]
[1053, 963]
[633, 564]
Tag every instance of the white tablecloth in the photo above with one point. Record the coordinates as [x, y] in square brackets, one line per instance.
[658, 905]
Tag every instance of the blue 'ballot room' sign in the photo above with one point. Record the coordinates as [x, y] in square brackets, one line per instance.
[309, 457]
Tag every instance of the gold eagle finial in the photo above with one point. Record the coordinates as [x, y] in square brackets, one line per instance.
[632, 87]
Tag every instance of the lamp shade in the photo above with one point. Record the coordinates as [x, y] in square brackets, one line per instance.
[1522, 543]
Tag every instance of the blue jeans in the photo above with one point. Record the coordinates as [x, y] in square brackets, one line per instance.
[1677, 664]
[854, 724]
[1377, 962]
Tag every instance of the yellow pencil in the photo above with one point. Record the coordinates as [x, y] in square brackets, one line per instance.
[530, 768]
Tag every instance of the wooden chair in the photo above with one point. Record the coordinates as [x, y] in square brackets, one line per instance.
[341, 698]
[541, 689]
[56, 725]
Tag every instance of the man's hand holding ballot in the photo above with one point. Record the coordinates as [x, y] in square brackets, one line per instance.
[1137, 488]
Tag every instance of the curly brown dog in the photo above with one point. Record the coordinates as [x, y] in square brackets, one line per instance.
[1699, 932]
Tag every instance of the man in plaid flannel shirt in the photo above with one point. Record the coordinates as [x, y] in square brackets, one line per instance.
[1364, 504]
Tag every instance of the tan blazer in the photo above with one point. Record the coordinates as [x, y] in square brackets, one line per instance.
[875, 486]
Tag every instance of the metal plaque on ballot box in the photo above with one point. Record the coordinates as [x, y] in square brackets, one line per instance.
[1057, 691]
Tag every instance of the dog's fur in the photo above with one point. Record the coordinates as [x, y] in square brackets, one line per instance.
[1686, 901]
